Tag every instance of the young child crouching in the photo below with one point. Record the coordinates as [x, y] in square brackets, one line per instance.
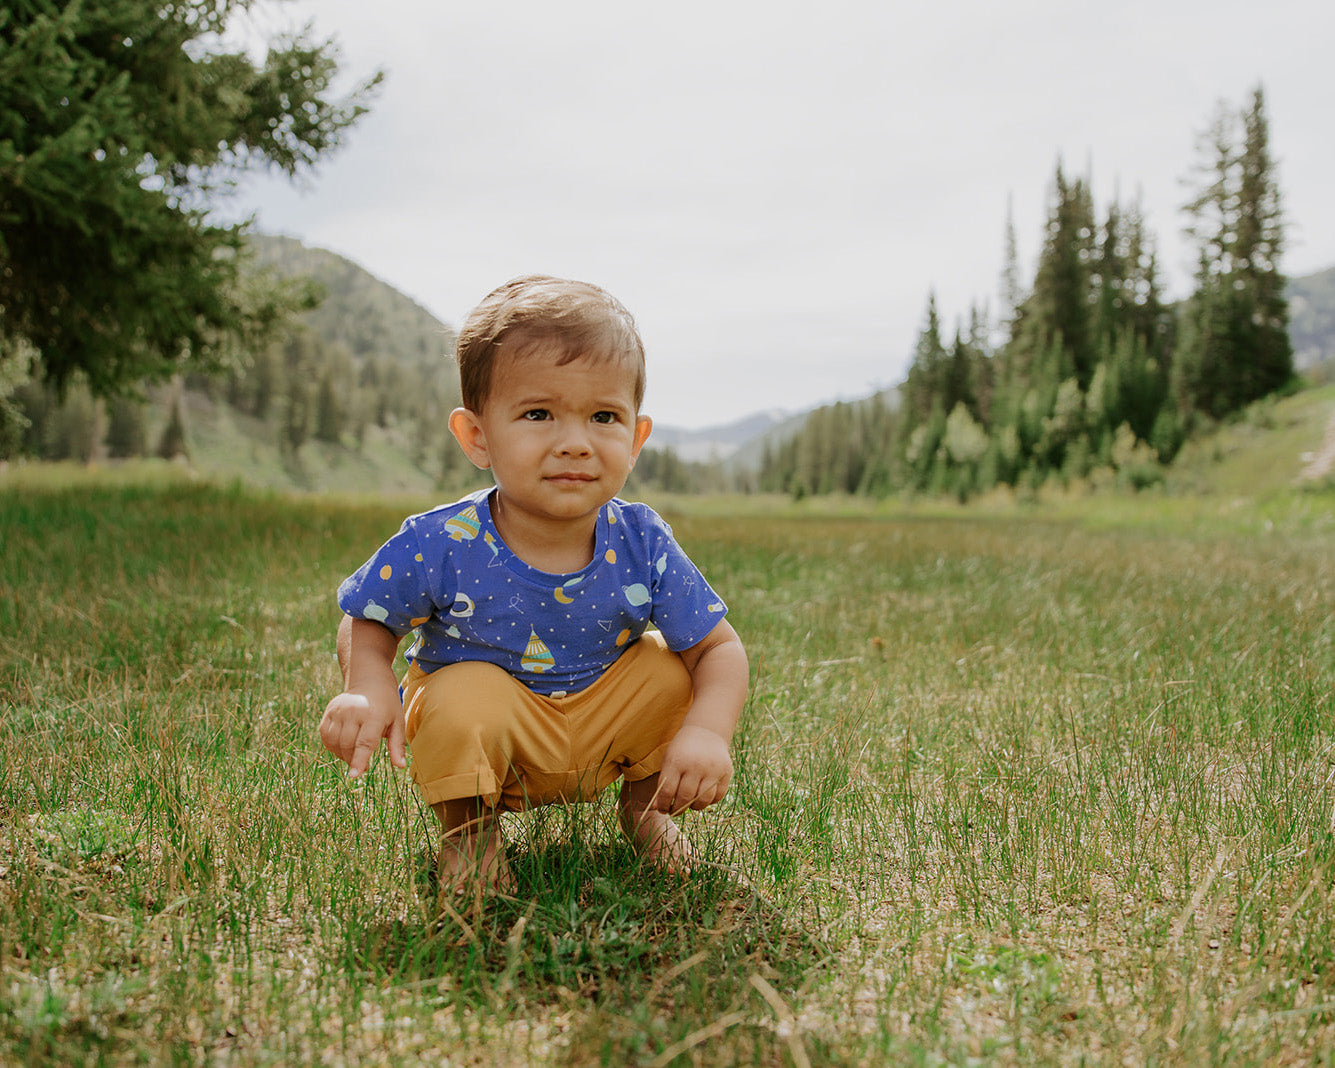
[533, 678]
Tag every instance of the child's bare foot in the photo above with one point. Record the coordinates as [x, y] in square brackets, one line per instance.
[654, 834]
[472, 857]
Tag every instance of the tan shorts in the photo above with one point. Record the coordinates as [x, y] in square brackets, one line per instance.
[476, 731]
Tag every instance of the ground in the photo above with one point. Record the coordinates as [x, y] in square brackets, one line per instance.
[1320, 464]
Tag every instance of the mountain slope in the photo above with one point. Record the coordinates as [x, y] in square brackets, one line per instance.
[1312, 318]
[367, 316]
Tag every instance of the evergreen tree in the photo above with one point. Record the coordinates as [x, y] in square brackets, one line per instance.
[127, 427]
[172, 442]
[1058, 307]
[264, 380]
[119, 121]
[1257, 250]
[298, 368]
[73, 428]
[1012, 296]
[1234, 345]
[15, 361]
[922, 386]
[328, 411]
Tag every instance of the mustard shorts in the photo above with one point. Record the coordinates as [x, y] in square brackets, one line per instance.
[476, 731]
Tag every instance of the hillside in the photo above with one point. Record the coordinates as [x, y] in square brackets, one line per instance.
[1275, 445]
[368, 317]
[1312, 319]
[388, 363]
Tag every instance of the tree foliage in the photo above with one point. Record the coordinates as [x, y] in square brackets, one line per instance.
[121, 123]
[1093, 370]
[1236, 345]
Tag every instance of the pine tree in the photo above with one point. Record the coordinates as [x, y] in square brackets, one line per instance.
[1258, 246]
[922, 385]
[15, 361]
[1058, 307]
[298, 367]
[120, 122]
[1012, 296]
[1234, 345]
[127, 427]
[328, 411]
[173, 442]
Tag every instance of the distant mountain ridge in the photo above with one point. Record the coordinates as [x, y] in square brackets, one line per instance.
[1312, 318]
[718, 442]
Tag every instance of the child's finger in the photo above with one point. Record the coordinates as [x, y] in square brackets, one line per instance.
[398, 754]
[367, 743]
[665, 791]
[688, 789]
[707, 795]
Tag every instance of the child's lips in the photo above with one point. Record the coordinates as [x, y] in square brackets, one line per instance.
[572, 477]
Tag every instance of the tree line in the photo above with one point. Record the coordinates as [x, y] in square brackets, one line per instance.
[1089, 369]
[121, 298]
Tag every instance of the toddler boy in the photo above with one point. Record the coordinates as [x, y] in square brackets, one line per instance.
[532, 678]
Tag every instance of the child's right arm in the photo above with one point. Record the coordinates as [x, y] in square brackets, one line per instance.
[369, 708]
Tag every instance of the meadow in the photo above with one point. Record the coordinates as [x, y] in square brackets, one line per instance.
[1016, 787]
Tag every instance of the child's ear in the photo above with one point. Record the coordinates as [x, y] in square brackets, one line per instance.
[467, 432]
[643, 426]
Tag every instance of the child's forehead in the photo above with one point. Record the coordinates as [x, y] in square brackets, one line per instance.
[536, 358]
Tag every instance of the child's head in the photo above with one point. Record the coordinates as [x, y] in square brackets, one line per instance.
[567, 319]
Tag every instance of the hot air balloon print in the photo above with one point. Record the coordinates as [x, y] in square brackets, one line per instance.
[465, 525]
[537, 657]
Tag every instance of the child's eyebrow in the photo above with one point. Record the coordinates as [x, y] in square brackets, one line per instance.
[544, 400]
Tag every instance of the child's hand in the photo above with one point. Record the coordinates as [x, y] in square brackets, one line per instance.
[354, 723]
[697, 769]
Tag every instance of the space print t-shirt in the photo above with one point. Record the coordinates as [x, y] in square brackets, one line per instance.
[448, 575]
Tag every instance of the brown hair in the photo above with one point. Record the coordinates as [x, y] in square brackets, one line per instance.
[532, 313]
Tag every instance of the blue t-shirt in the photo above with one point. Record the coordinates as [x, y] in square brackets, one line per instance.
[448, 575]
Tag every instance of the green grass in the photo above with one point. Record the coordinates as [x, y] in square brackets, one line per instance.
[1011, 788]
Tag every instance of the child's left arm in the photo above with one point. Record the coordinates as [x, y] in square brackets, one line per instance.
[697, 766]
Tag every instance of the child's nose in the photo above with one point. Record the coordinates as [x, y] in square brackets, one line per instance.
[574, 441]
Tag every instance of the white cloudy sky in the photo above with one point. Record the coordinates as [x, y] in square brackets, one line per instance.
[773, 188]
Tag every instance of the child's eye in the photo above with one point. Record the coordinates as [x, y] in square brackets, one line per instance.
[605, 417]
[536, 415]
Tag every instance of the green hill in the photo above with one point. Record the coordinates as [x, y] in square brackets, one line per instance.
[1274, 446]
[1312, 320]
[379, 357]
[368, 317]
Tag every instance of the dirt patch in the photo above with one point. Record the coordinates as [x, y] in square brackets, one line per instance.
[1320, 464]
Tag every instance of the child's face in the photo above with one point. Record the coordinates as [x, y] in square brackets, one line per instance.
[560, 440]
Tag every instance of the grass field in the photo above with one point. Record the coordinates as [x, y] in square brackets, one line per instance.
[1010, 789]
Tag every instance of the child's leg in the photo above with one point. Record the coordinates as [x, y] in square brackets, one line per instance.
[471, 856]
[466, 726]
[654, 834]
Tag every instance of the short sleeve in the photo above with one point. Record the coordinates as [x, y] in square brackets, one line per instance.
[685, 606]
[392, 587]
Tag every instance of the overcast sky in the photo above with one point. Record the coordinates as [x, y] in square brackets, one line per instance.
[774, 188]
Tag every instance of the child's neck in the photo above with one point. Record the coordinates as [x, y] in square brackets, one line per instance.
[558, 547]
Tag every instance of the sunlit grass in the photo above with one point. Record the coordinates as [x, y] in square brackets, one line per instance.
[1008, 788]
